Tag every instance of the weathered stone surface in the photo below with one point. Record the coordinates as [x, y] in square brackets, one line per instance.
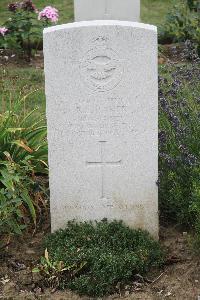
[101, 90]
[125, 10]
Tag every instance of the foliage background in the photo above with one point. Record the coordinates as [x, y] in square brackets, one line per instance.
[152, 11]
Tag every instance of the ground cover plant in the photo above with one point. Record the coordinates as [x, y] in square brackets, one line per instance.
[94, 259]
[23, 154]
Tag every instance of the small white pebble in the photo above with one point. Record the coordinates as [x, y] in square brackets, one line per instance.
[127, 293]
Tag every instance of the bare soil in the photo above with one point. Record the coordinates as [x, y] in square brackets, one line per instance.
[179, 279]
[11, 58]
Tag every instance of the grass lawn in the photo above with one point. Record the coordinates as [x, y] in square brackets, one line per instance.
[17, 82]
[152, 11]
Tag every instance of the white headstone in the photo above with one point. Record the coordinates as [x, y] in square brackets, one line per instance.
[101, 91]
[125, 10]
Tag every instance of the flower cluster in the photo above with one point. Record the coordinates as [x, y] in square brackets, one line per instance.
[13, 6]
[28, 5]
[49, 13]
[3, 31]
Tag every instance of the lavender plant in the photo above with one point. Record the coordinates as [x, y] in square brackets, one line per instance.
[179, 143]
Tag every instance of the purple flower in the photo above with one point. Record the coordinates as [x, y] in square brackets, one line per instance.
[162, 137]
[13, 6]
[3, 31]
[49, 13]
[28, 5]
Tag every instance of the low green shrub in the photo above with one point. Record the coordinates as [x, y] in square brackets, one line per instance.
[193, 4]
[181, 24]
[93, 259]
[23, 154]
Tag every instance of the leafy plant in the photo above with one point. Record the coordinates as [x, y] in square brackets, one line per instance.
[23, 153]
[15, 196]
[23, 135]
[24, 27]
[55, 270]
[93, 258]
[181, 24]
[193, 4]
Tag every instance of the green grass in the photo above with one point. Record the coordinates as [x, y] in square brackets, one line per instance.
[152, 11]
[16, 82]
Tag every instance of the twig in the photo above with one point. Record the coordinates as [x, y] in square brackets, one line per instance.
[156, 279]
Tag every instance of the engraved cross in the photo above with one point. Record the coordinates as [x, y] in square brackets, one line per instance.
[103, 164]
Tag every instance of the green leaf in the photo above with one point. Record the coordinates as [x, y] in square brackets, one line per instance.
[27, 199]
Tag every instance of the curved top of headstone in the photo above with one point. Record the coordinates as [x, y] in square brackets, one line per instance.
[102, 23]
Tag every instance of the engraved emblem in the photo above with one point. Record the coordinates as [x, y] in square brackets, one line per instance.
[101, 68]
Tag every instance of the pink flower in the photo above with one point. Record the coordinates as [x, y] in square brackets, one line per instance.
[49, 13]
[3, 30]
